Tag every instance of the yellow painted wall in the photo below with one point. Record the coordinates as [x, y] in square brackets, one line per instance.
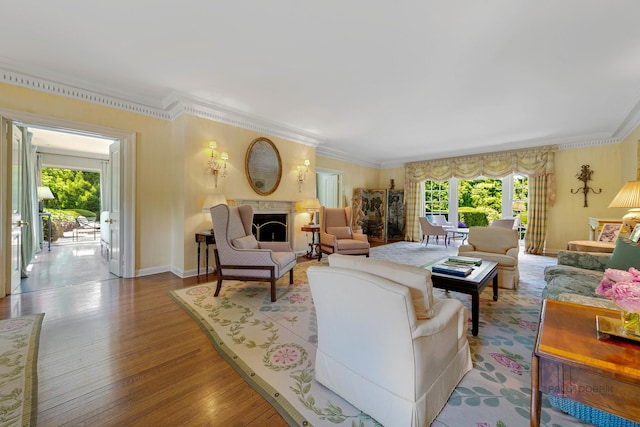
[568, 219]
[386, 175]
[198, 182]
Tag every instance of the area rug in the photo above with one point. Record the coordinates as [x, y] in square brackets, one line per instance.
[272, 345]
[19, 341]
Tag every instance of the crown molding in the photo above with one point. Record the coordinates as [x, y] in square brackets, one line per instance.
[206, 110]
[347, 157]
[48, 86]
[587, 142]
[173, 106]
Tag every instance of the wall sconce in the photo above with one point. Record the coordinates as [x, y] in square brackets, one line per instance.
[217, 162]
[302, 174]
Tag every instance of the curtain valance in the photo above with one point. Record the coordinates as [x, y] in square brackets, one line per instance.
[532, 162]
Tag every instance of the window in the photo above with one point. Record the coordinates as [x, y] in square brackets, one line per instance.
[436, 197]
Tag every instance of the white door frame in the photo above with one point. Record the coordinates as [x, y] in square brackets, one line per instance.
[127, 183]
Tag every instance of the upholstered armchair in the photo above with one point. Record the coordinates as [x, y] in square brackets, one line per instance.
[336, 235]
[429, 230]
[495, 244]
[239, 256]
[400, 367]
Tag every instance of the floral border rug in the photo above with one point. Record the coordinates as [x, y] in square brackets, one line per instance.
[272, 345]
[19, 342]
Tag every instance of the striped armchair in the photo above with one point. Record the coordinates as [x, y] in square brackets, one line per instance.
[239, 256]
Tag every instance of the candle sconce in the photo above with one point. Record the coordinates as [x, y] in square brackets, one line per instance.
[585, 176]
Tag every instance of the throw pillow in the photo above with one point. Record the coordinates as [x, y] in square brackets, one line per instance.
[626, 254]
[417, 279]
[246, 242]
[340, 232]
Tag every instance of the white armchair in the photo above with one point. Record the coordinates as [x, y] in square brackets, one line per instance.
[239, 256]
[497, 244]
[429, 230]
[401, 366]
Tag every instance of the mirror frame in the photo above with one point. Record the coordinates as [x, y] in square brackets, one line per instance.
[247, 169]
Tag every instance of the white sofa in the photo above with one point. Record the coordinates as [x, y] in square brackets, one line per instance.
[384, 343]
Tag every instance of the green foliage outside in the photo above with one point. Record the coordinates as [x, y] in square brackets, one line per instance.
[73, 189]
[76, 193]
[479, 200]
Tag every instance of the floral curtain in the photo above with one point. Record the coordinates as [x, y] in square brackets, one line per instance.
[535, 162]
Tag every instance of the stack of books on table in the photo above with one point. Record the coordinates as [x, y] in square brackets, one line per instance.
[465, 260]
[454, 269]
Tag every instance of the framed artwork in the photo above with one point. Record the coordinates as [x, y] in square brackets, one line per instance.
[635, 234]
[395, 215]
[373, 211]
[609, 233]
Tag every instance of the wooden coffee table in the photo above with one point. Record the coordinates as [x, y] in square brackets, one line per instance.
[473, 284]
[570, 361]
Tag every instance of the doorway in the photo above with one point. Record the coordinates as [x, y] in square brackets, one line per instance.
[125, 190]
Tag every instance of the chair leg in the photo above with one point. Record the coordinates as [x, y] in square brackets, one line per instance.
[218, 286]
[291, 276]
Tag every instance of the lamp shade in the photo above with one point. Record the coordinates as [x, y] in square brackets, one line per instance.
[311, 204]
[44, 193]
[213, 200]
[628, 197]
[518, 205]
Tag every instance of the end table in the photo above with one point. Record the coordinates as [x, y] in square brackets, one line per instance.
[208, 238]
[314, 246]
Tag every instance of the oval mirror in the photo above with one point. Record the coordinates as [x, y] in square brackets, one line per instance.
[263, 166]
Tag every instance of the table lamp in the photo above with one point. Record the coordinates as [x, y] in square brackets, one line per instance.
[211, 201]
[44, 193]
[628, 197]
[311, 206]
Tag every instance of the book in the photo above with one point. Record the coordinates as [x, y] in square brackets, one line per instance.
[455, 270]
[466, 260]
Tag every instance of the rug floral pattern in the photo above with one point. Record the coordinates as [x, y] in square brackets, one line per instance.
[19, 340]
[273, 346]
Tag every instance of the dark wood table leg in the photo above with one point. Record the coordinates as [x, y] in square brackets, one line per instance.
[536, 394]
[495, 287]
[198, 260]
[475, 313]
[206, 273]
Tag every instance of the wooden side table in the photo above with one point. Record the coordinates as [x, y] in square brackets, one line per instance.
[570, 361]
[590, 246]
[207, 238]
[314, 246]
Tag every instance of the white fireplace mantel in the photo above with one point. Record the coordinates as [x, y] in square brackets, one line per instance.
[287, 207]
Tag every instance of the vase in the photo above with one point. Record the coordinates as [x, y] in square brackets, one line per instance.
[631, 322]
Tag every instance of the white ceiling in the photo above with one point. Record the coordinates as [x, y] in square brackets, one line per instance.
[382, 82]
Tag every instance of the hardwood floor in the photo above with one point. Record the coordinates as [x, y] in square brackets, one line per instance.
[121, 352]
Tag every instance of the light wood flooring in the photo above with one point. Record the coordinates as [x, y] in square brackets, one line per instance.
[116, 352]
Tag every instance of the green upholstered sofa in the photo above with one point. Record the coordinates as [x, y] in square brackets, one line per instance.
[576, 277]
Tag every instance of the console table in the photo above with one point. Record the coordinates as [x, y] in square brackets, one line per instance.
[570, 361]
[208, 238]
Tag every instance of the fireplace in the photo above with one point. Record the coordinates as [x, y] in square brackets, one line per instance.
[272, 219]
[270, 227]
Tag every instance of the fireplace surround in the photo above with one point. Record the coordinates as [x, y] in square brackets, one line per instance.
[272, 219]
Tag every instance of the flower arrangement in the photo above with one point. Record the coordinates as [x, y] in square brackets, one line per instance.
[623, 288]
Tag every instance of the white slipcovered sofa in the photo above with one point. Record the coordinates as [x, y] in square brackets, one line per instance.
[384, 343]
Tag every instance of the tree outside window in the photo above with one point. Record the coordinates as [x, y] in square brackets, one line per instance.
[436, 197]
